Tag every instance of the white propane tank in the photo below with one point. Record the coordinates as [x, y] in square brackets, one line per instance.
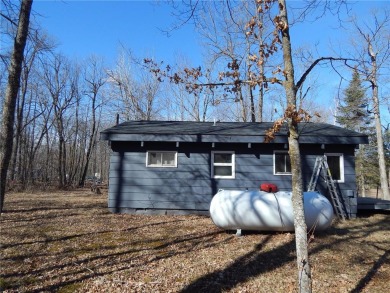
[263, 211]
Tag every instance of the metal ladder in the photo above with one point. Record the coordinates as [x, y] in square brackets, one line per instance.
[322, 164]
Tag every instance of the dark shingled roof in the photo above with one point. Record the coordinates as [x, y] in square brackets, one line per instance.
[242, 132]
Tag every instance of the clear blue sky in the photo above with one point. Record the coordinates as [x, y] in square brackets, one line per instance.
[83, 28]
[86, 27]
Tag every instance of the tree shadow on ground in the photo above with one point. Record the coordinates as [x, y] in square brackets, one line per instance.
[256, 262]
[106, 260]
[250, 265]
[130, 261]
[58, 239]
[372, 272]
[109, 260]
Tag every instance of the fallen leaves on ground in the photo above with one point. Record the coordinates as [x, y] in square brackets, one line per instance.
[69, 242]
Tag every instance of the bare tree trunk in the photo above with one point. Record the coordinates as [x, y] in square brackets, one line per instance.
[59, 82]
[19, 121]
[61, 149]
[361, 179]
[304, 270]
[25, 74]
[95, 80]
[242, 103]
[381, 152]
[252, 104]
[61, 163]
[378, 127]
[47, 169]
[250, 87]
[75, 160]
[14, 72]
[91, 143]
[261, 66]
[261, 103]
[376, 45]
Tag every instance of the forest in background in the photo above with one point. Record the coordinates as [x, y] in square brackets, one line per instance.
[63, 104]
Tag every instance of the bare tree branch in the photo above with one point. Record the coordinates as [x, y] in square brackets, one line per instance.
[314, 64]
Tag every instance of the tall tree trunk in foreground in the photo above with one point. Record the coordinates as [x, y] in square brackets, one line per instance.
[14, 72]
[304, 271]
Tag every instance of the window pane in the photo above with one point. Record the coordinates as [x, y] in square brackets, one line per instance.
[279, 163]
[288, 163]
[223, 158]
[154, 159]
[223, 171]
[334, 166]
[162, 159]
[168, 159]
[282, 163]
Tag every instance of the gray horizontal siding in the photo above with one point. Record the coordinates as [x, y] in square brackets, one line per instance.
[135, 186]
[166, 205]
[159, 178]
[139, 158]
[242, 173]
[164, 196]
[179, 190]
[189, 186]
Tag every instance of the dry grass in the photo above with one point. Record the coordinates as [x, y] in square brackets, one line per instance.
[68, 242]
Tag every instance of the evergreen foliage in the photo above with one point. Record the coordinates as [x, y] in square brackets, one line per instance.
[352, 111]
[353, 114]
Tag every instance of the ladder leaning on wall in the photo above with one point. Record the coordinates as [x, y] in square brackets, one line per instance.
[322, 164]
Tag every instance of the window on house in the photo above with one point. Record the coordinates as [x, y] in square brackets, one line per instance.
[222, 164]
[282, 164]
[336, 166]
[161, 159]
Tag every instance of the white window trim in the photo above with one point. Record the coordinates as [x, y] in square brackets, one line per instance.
[160, 166]
[341, 155]
[284, 173]
[232, 164]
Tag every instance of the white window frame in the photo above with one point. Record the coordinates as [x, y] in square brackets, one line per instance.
[341, 155]
[162, 164]
[232, 164]
[280, 173]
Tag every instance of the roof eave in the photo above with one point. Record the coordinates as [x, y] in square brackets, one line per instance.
[230, 138]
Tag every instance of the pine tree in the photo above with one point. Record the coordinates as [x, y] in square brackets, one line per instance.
[352, 113]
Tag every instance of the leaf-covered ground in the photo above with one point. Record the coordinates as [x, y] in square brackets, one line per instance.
[69, 242]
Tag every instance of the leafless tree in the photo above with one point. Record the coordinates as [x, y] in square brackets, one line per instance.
[95, 78]
[136, 88]
[222, 25]
[60, 82]
[373, 53]
[14, 73]
[36, 47]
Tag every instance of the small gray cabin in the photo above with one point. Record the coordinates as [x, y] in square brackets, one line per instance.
[176, 167]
